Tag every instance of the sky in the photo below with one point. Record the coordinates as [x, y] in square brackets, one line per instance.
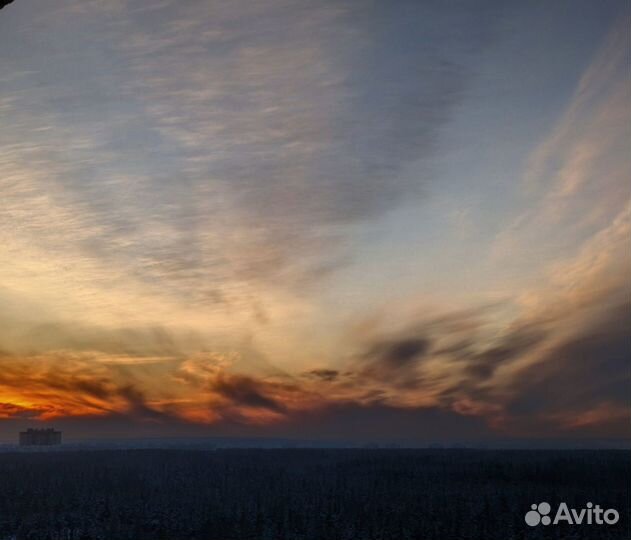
[345, 219]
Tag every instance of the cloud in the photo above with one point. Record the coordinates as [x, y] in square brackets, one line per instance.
[494, 384]
[577, 177]
[179, 184]
[65, 384]
[394, 359]
[324, 374]
[550, 360]
[245, 391]
[11, 410]
[586, 372]
[177, 176]
[511, 346]
[488, 367]
[399, 354]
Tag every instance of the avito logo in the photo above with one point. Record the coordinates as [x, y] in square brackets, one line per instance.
[590, 515]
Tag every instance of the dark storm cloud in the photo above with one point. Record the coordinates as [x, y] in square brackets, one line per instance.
[590, 368]
[398, 354]
[509, 347]
[324, 374]
[246, 391]
[395, 360]
[451, 335]
[139, 407]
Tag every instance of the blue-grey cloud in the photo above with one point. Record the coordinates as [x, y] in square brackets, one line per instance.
[194, 146]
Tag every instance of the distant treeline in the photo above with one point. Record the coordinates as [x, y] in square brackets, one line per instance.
[306, 494]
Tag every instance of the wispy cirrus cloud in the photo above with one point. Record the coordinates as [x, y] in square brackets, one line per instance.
[577, 178]
[195, 150]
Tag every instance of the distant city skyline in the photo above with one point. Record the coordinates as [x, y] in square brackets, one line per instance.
[344, 219]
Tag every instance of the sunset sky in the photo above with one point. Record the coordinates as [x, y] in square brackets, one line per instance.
[316, 219]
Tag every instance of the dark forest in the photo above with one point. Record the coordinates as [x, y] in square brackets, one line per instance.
[301, 494]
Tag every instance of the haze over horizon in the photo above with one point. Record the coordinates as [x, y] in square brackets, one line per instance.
[339, 219]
